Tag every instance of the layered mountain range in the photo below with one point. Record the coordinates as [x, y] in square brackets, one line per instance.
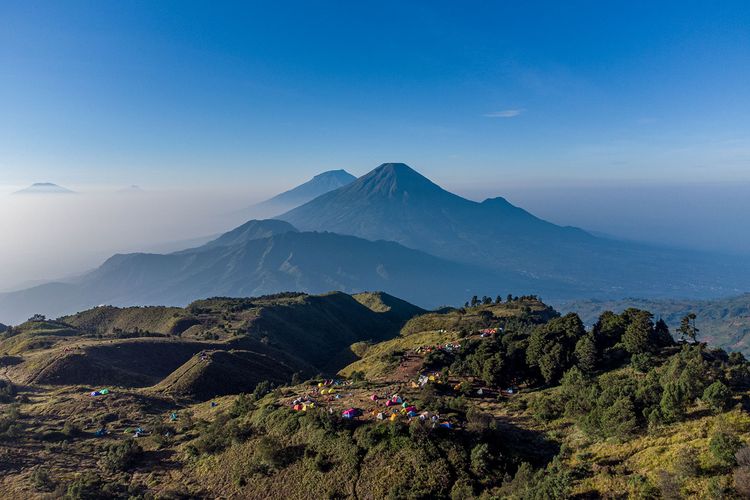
[392, 230]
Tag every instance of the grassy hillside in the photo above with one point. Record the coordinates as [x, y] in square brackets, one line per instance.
[510, 400]
[244, 342]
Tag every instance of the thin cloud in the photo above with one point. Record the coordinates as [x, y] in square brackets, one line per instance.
[506, 113]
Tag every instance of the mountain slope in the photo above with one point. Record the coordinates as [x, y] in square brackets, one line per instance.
[318, 185]
[213, 346]
[251, 230]
[299, 261]
[394, 202]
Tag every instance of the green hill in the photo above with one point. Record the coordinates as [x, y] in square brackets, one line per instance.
[496, 400]
[270, 337]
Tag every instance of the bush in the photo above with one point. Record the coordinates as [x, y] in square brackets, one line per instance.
[618, 420]
[122, 456]
[41, 480]
[270, 452]
[724, 446]
[261, 389]
[717, 396]
[85, 487]
[10, 427]
[642, 362]
[7, 391]
[481, 460]
[546, 407]
[242, 406]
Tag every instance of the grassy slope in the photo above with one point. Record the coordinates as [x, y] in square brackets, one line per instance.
[325, 463]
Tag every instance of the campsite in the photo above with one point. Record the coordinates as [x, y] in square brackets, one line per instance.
[428, 394]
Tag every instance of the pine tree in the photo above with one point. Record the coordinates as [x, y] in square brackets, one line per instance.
[586, 355]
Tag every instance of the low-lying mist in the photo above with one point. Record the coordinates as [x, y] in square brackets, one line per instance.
[49, 237]
[53, 236]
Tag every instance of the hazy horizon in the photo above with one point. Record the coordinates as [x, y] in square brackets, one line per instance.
[65, 235]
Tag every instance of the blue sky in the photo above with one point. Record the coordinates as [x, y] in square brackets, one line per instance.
[473, 94]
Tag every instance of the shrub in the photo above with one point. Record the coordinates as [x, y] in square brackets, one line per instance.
[717, 396]
[673, 403]
[546, 407]
[270, 451]
[7, 391]
[723, 446]
[122, 456]
[261, 389]
[242, 405]
[85, 487]
[642, 362]
[481, 460]
[618, 420]
[10, 427]
[41, 480]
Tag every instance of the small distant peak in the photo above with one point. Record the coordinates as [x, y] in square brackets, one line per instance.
[44, 188]
[133, 188]
[338, 174]
[496, 202]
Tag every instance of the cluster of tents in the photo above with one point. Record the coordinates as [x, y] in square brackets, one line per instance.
[448, 347]
[485, 332]
[424, 378]
[333, 382]
[303, 404]
[100, 392]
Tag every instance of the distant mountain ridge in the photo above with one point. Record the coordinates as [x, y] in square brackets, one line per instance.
[259, 258]
[394, 202]
[393, 230]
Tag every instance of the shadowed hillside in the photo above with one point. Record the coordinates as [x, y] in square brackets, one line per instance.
[242, 341]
